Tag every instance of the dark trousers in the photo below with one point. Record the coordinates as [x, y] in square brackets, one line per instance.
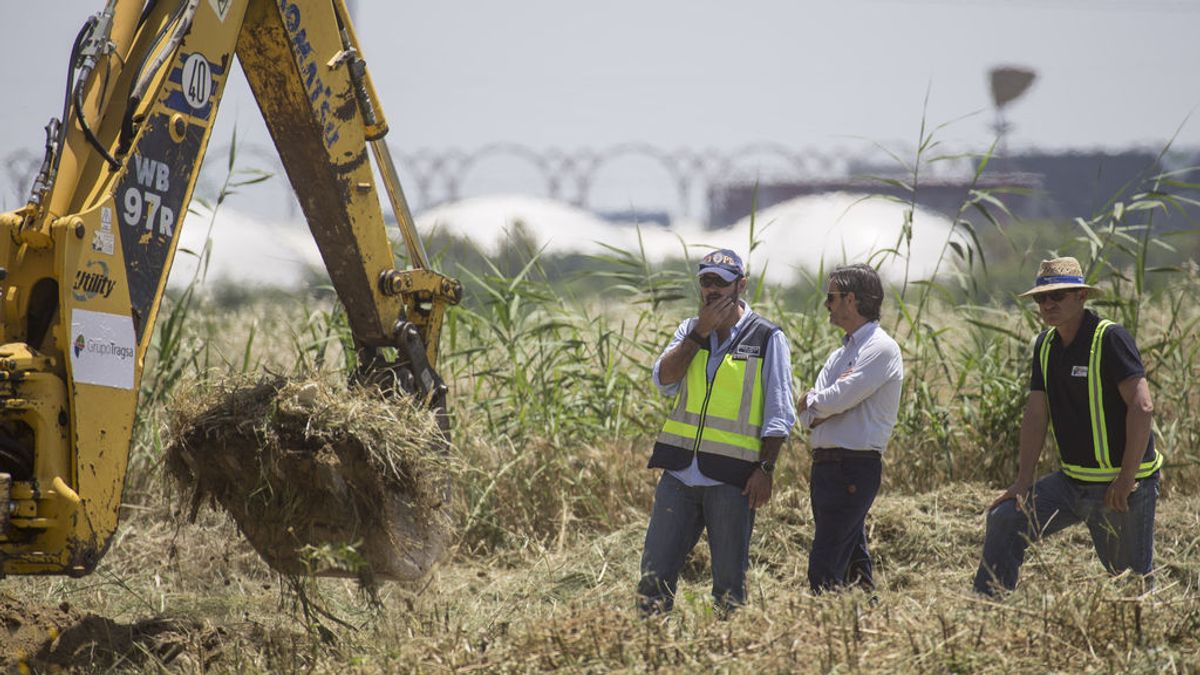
[843, 487]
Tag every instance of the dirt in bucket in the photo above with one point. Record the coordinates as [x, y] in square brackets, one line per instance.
[321, 479]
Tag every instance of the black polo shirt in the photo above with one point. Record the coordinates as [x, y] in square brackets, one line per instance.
[1068, 391]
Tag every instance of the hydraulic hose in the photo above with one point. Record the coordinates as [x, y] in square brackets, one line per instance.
[150, 5]
[182, 20]
[56, 130]
[97, 44]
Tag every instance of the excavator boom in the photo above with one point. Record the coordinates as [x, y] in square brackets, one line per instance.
[86, 260]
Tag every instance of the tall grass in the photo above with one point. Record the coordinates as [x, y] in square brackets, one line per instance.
[536, 371]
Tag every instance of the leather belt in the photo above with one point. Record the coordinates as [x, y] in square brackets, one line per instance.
[823, 455]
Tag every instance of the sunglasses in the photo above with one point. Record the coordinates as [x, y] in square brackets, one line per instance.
[831, 295]
[709, 280]
[1052, 296]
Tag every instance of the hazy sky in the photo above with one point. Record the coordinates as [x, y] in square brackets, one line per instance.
[702, 73]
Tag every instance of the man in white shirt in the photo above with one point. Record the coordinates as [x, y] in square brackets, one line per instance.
[851, 411]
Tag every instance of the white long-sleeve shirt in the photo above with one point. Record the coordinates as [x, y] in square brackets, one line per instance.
[859, 391]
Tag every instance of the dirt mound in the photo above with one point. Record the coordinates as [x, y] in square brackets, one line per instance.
[320, 479]
[63, 637]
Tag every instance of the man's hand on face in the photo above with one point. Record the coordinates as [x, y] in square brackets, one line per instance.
[717, 313]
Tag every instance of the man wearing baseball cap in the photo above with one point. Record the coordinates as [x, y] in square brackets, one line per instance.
[1088, 384]
[730, 371]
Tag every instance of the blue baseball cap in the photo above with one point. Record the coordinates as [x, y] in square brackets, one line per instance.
[723, 263]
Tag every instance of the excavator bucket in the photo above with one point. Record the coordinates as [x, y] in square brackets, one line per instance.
[321, 480]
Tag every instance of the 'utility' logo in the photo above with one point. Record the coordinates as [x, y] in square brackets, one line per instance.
[92, 281]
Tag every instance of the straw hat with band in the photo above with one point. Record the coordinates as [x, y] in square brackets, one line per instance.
[1060, 274]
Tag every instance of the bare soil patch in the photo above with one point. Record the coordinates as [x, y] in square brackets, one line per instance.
[63, 637]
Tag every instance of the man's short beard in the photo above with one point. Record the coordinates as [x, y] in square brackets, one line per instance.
[717, 296]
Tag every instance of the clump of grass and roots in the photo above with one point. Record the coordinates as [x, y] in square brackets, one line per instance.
[322, 479]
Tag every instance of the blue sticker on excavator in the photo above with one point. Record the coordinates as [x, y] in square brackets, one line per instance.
[195, 79]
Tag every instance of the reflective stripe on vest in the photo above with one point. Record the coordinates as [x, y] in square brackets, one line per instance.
[1104, 470]
[724, 418]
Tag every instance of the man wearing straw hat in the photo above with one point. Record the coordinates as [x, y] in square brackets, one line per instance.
[730, 370]
[1088, 385]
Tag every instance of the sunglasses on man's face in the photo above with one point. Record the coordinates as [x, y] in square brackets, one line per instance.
[1052, 296]
[713, 280]
[831, 295]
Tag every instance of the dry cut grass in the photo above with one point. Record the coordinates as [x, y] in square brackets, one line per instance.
[573, 610]
[565, 601]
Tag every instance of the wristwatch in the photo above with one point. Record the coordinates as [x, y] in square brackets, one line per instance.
[767, 467]
[694, 337]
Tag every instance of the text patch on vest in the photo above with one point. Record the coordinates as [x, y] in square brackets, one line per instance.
[746, 351]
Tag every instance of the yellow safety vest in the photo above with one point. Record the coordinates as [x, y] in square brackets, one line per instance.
[723, 417]
[1103, 471]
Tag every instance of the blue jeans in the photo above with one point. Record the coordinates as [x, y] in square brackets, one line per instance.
[680, 514]
[1122, 540]
[842, 492]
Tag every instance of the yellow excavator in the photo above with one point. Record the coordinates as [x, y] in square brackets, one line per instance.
[85, 261]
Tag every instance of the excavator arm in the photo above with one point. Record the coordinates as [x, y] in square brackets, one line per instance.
[85, 262]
